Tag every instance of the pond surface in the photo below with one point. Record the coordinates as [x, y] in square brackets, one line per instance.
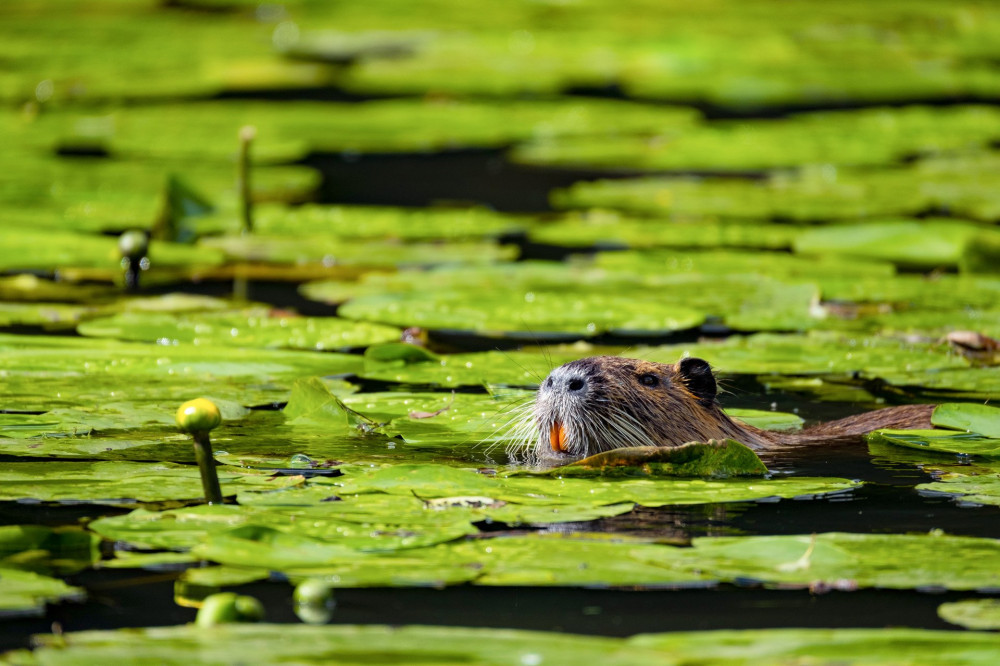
[374, 229]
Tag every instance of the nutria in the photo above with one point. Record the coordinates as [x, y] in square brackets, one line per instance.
[606, 402]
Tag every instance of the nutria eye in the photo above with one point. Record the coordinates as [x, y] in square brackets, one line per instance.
[649, 380]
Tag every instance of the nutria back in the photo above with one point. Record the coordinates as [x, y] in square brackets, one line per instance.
[606, 402]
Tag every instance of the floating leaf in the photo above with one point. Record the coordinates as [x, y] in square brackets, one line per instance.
[503, 312]
[940, 441]
[840, 138]
[121, 482]
[777, 646]
[981, 419]
[26, 592]
[708, 460]
[250, 329]
[923, 244]
[972, 613]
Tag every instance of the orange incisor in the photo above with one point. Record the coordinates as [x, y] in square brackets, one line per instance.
[557, 436]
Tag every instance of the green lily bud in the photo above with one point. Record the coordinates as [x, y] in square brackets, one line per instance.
[198, 415]
[227, 607]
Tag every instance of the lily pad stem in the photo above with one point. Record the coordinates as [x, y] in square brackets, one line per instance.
[206, 465]
[198, 417]
[247, 135]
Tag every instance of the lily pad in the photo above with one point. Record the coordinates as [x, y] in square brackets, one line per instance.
[841, 138]
[609, 229]
[981, 419]
[972, 613]
[859, 646]
[44, 549]
[713, 459]
[361, 644]
[26, 593]
[122, 482]
[894, 561]
[767, 420]
[287, 133]
[924, 244]
[32, 249]
[353, 645]
[380, 222]
[330, 251]
[430, 481]
[812, 354]
[46, 373]
[504, 312]
[958, 185]
[940, 441]
[232, 329]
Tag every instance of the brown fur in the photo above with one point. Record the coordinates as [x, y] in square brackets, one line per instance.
[668, 405]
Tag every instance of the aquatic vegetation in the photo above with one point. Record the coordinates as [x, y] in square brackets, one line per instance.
[805, 199]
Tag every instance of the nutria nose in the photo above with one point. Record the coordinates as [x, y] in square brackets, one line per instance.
[575, 384]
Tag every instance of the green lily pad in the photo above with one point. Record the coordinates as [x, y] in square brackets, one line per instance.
[44, 549]
[50, 316]
[302, 643]
[286, 133]
[433, 481]
[251, 329]
[968, 489]
[47, 373]
[632, 291]
[330, 251]
[940, 441]
[895, 561]
[828, 646]
[504, 312]
[26, 593]
[841, 138]
[313, 403]
[767, 420]
[713, 459]
[923, 244]
[972, 613]
[960, 185]
[32, 249]
[121, 482]
[607, 228]
[981, 419]
[353, 645]
[973, 383]
[379, 222]
[113, 195]
[816, 353]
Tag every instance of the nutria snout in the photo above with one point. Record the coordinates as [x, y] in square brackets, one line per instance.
[607, 402]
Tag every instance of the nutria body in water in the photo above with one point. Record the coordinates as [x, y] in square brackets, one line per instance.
[606, 402]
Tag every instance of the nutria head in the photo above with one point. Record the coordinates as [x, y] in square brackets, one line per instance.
[607, 402]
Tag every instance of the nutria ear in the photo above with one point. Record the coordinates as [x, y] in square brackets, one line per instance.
[697, 376]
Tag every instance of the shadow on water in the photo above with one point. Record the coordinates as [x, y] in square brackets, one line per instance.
[459, 177]
[126, 599]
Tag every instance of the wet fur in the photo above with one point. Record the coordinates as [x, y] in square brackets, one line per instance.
[607, 402]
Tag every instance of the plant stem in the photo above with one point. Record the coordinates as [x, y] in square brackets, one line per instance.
[243, 177]
[206, 464]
